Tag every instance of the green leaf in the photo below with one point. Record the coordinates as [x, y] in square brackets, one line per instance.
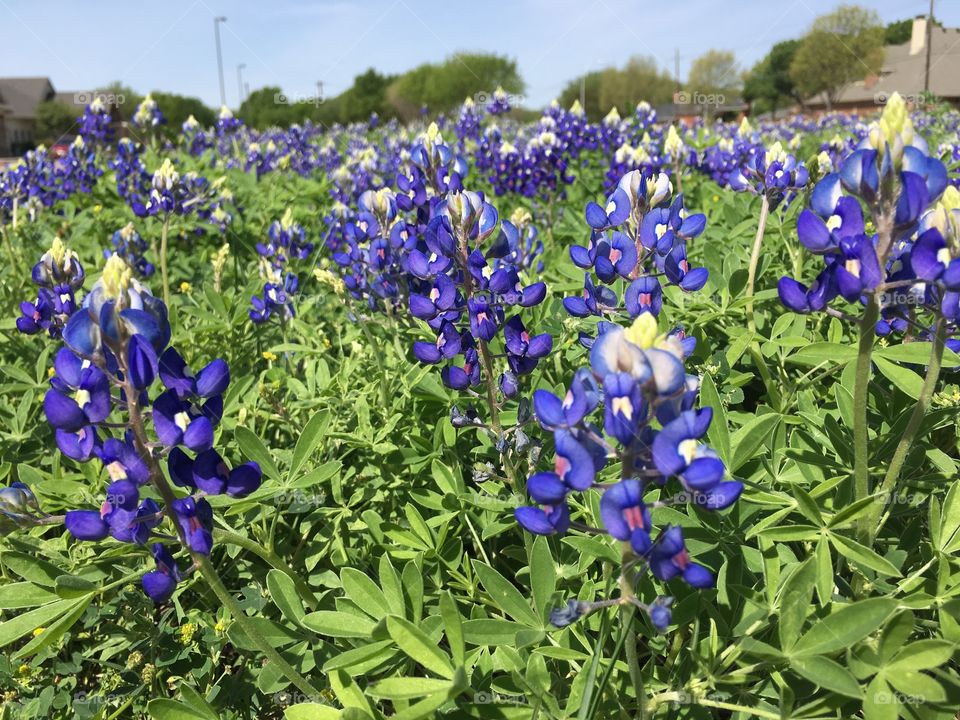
[23, 595]
[844, 627]
[365, 593]
[55, 631]
[197, 701]
[915, 353]
[828, 674]
[25, 623]
[415, 644]
[795, 603]
[453, 626]
[718, 433]
[252, 447]
[311, 711]
[823, 352]
[407, 687]
[906, 380]
[923, 655]
[879, 701]
[391, 586]
[863, 555]
[824, 572]
[748, 439]
[950, 520]
[543, 575]
[338, 624]
[309, 439]
[348, 693]
[165, 709]
[505, 596]
[284, 593]
[490, 631]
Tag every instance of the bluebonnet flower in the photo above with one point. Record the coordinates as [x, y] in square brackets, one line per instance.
[637, 375]
[906, 194]
[773, 173]
[638, 238]
[58, 274]
[119, 338]
[96, 125]
[499, 102]
[147, 115]
[128, 244]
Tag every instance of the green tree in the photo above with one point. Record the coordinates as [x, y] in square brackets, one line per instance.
[897, 33]
[841, 47]
[715, 73]
[444, 86]
[769, 85]
[640, 79]
[269, 106]
[55, 119]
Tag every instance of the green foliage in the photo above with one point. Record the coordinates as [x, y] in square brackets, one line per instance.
[841, 47]
[445, 85]
[380, 569]
[715, 72]
[54, 119]
[640, 79]
[769, 85]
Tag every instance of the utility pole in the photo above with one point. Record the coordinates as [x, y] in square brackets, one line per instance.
[319, 90]
[240, 94]
[216, 33]
[676, 66]
[928, 42]
[583, 92]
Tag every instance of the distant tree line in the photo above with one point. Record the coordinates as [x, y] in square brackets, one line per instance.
[839, 48]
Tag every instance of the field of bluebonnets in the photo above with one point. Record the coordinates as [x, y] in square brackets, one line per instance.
[472, 418]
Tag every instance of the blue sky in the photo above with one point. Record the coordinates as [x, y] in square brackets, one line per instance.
[294, 43]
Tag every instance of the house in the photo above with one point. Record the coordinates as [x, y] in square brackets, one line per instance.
[19, 98]
[689, 108]
[903, 71]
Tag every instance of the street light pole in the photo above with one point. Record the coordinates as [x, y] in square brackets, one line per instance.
[216, 33]
[240, 93]
[928, 41]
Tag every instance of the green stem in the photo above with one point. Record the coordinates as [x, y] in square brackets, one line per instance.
[274, 560]
[201, 561]
[14, 265]
[861, 391]
[163, 260]
[755, 260]
[216, 584]
[627, 613]
[889, 484]
[384, 391]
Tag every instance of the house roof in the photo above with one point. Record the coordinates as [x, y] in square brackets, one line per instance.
[904, 73]
[22, 95]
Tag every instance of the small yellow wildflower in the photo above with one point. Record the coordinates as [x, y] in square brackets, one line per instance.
[186, 287]
[269, 356]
